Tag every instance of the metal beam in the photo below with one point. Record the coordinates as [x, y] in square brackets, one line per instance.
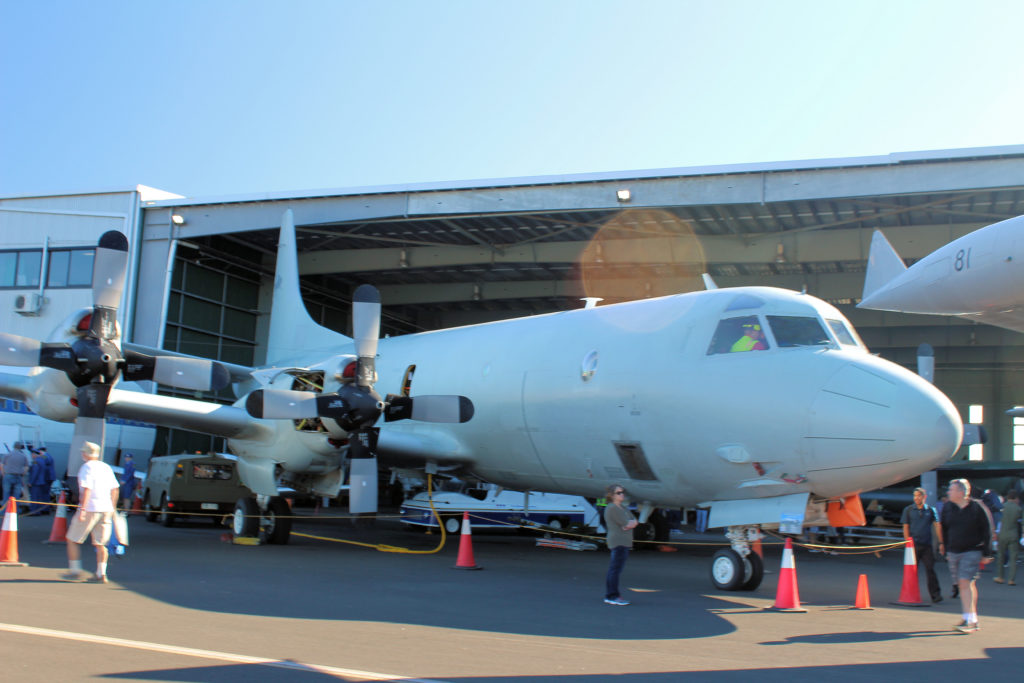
[832, 286]
[804, 247]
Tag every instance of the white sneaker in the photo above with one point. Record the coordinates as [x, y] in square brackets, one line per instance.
[615, 601]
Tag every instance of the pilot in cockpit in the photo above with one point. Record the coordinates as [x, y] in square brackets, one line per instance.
[752, 339]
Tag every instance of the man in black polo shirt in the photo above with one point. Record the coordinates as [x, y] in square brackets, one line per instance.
[920, 521]
[967, 530]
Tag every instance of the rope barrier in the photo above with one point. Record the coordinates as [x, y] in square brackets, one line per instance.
[820, 547]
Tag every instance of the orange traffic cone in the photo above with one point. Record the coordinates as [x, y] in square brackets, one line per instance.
[910, 593]
[9, 537]
[758, 549]
[60, 523]
[466, 560]
[137, 508]
[787, 597]
[863, 600]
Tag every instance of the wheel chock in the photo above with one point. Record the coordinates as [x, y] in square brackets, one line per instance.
[246, 540]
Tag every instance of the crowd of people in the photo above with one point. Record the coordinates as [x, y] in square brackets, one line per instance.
[967, 532]
[32, 469]
[29, 473]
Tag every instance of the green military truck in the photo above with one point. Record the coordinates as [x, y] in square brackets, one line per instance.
[192, 483]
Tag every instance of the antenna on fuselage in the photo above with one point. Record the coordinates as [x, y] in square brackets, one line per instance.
[708, 282]
[591, 301]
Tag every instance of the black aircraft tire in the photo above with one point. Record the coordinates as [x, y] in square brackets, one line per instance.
[756, 574]
[727, 571]
[246, 520]
[279, 522]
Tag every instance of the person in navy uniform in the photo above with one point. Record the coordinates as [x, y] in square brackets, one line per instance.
[921, 523]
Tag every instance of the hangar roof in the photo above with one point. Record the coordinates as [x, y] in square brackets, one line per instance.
[454, 252]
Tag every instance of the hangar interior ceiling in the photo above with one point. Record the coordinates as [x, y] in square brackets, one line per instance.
[439, 271]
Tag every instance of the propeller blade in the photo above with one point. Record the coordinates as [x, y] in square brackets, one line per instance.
[92, 399]
[19, 351]
[59, 356]
[185, 373]
[366, 331]
[440, 408]
[86, 429]
[108, 273]
[362, 476]
[281, 404]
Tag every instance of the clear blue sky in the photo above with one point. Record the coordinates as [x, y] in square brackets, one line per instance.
[215, 97]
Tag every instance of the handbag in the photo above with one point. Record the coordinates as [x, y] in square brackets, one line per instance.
[121, 527]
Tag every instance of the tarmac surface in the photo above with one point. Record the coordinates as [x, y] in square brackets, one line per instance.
[183, 605]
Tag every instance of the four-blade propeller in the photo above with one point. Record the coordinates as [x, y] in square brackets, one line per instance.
[94, 362]
[357, 407]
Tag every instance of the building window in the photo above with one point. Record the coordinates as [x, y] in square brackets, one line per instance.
[66, 268]
[976, 416]
[1018, 438]
[20, 269]
[70, 268]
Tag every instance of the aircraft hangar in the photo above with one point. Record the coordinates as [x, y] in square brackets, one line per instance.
[455, 253]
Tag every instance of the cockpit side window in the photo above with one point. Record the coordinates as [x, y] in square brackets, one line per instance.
[793, 331]
[734, 335]
[842, 333]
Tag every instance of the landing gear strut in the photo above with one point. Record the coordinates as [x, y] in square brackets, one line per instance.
[738, 567]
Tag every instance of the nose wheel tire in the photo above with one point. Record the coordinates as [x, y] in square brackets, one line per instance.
[752, 579]
[727, 572]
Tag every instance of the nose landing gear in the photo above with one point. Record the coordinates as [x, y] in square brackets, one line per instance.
[738, 567]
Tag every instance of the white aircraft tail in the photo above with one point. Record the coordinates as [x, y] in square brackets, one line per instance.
[292, 331]
[884, 265]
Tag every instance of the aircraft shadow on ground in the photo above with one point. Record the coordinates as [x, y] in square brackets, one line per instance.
[998, 661]
[522, 589]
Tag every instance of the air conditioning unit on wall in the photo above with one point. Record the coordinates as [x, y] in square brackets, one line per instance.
[28, 304]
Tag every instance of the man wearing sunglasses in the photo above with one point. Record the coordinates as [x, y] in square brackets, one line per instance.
[619, 522]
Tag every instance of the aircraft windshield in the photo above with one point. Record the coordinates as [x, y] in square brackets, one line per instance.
[739, 334]
[792, 331]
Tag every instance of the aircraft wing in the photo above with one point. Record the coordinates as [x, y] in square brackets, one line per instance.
[239, 373]
[14, 386]
[1011, 318]
[182, 413]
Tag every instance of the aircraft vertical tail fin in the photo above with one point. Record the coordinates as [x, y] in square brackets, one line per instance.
[292, 330]
[884, 265]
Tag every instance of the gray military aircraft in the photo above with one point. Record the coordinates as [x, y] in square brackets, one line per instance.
[979, 276]
[760, 405]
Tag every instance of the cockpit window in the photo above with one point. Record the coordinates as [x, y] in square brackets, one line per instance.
[792, 331]
[735, 335]
[843, 334]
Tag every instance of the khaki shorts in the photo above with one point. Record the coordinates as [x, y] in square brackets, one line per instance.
[97, 523]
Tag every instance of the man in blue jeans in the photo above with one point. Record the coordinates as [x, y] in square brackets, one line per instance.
[619, 522]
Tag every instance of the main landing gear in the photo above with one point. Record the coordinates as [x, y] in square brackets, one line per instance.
[738, 567]
[269, 519]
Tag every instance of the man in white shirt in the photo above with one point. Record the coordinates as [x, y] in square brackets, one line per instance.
[97, 501]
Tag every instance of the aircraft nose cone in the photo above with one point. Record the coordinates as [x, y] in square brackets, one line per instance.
[874, 423]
